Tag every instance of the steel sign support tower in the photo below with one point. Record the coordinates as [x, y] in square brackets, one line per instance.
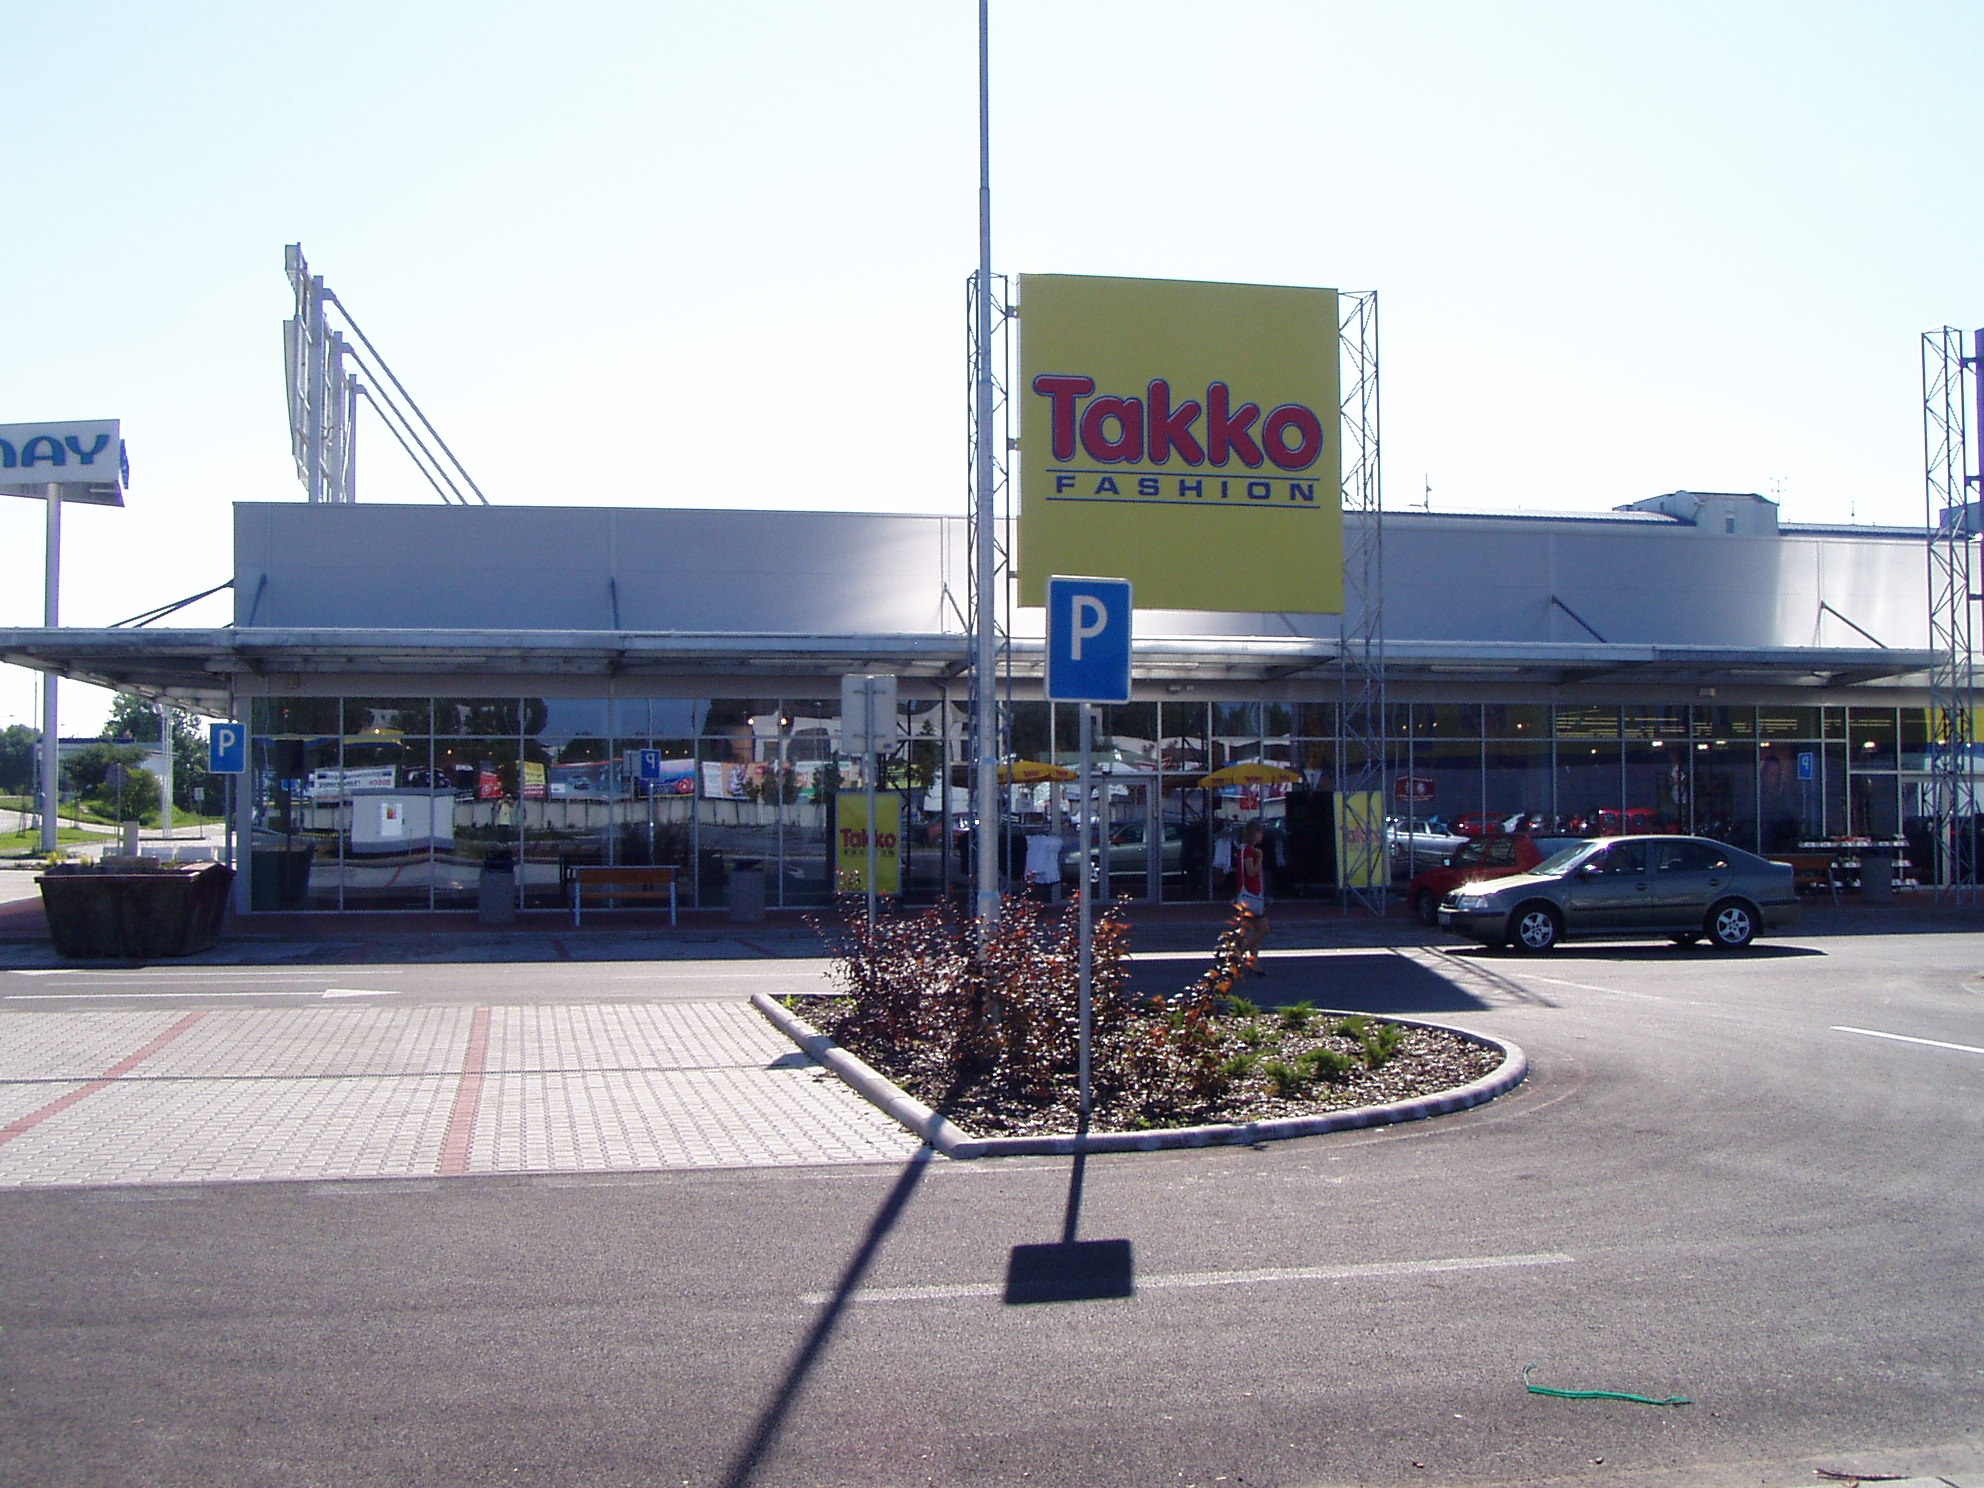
[1361, 712]
[985, 566]
[1953, 497]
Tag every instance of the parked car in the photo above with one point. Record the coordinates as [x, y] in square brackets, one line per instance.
[1476, 859]
[1126, 851]
[1682, 888]
[1420, 842]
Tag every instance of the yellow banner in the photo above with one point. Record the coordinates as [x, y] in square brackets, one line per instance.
[1184, 436]
[851, 843]
[1360, 840]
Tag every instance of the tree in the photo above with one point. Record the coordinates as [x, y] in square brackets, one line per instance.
[137, 718]
[87, 774]
[18, 743]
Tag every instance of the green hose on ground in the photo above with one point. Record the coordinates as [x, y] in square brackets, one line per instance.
[1598, 1394]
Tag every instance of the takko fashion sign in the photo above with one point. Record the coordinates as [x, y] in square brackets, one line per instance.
[1184, 436]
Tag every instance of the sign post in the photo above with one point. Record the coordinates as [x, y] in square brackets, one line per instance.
[75, 461]
[227, 754]
[1088, 661]
[868, 725]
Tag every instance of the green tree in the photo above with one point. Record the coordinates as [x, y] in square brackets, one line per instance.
[87, 772]
[17, 747]
[192, 788]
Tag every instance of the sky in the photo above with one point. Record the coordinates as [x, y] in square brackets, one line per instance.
[697, 255]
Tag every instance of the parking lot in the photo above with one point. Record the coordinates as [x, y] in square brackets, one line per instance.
[1748, 1179]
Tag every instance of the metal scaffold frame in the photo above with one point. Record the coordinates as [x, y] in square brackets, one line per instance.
[990, 723]
[1361, 772]
[1950, 386]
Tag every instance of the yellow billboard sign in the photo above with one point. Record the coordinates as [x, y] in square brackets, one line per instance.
[1184, 436]
[1362, 861]
[851, 843]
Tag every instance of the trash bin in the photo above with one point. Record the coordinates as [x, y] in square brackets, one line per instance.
[164, 910]
[1876, 878]
[747, 891]
[496, 889]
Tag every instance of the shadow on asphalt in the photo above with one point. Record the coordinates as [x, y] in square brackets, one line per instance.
[1376, 981]
[771, 1421]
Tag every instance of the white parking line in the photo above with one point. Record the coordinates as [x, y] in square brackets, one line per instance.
[1218, 1278]
[1902, 1038]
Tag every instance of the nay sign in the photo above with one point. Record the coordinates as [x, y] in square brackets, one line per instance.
[1088, 640]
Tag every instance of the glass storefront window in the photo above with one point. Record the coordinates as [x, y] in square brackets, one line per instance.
[1441, 782]
[1871, 738]
[483, 779]
[1516, 783]
[1658, 788]
[1657, 722]
[1725, 723]
[1726, 792]
[1790, 795]
[489, 717]
[1589, 786]
[1788, 723]
[1310, 720]
[1446, 720]
[1515, 720]
[1588, 721]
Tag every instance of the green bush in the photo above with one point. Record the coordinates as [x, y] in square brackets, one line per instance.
[1283, 1078]
[1381, 1043]
[1295, 1017]
[1328, 1064]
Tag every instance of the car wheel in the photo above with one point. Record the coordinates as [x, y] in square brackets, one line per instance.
[1534, 928]
[1732, 924]
[1426, 905]
[1691, 938]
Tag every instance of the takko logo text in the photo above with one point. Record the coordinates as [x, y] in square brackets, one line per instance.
[1154, 429]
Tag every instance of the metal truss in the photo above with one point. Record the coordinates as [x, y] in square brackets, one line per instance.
[1361, 776]
[990, 671]
[1950, 385]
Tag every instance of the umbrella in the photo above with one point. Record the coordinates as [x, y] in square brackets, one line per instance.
[1032, 772]
[1251, 772]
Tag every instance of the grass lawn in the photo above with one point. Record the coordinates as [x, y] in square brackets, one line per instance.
[25, 844]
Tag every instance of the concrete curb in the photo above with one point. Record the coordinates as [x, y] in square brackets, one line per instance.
[949, 1140]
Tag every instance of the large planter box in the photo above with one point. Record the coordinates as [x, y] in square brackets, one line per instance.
[172, 910]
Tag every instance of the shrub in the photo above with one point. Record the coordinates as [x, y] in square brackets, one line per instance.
[1295, 1017]
[1328, 1064]
[1283, 1078]
[1239, 1007]
[1381, 1043]
[1241, 1065]
[1252, 1035]
[1351, 1027]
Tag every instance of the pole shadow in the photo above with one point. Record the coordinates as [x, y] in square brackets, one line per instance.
[1070, 1270]
[771, 1420]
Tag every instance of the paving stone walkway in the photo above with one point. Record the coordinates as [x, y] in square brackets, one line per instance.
[366, 1092]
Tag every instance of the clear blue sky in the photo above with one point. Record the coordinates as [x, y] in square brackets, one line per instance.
[711, 255]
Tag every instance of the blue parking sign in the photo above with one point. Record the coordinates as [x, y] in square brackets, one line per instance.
[650, 765]
[227, 749]
[1088, 640]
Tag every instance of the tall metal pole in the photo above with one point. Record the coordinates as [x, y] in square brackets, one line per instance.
[314, 374]
[51, 752]
[985, 725]
[1086, 871]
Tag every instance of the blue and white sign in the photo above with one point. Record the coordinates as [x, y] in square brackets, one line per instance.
[85, 459]
[647, 765]
[1088, 640]
[1804, 764]
[227, 748]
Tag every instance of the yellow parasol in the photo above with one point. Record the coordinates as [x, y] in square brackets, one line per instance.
[1032, 772]
[1251, 772]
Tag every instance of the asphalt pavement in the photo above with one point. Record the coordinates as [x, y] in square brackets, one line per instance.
[1749, 1181]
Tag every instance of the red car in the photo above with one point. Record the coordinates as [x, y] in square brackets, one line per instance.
[1498, 856]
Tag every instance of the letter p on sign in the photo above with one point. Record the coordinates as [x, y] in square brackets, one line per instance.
[1088, 640]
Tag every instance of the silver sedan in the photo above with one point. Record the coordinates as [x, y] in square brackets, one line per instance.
[1682, 888]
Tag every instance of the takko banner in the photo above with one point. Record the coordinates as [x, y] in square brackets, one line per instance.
[1184, 436]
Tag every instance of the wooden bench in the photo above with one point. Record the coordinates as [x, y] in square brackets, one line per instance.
[620, 884]
[1812, 870]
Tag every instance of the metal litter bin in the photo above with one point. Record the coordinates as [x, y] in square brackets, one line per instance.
[747, 891]
[496, 890]
[1876, 878]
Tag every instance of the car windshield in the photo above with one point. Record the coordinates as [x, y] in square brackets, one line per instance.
[1562, 859]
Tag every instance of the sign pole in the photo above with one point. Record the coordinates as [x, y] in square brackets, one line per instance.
[51, 752]
[1087, 908]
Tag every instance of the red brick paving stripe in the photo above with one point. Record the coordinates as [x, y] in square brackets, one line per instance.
[468, 1098]
[123, 1067]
